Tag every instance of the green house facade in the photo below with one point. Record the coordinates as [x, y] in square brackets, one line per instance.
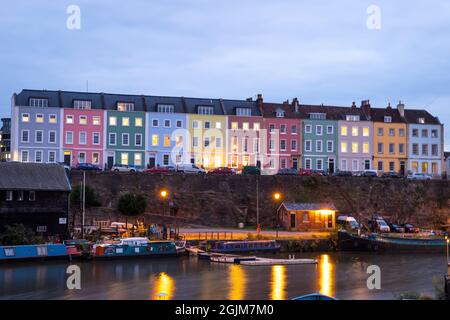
[319, 141]
[125, 138]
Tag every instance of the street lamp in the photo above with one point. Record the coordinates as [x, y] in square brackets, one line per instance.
[277, 197]
[164, 194]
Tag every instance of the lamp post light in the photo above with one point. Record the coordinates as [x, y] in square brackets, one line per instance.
[164, 194]
[277, 196]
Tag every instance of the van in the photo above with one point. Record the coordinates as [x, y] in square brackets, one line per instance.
[190, 168]
[347, 222]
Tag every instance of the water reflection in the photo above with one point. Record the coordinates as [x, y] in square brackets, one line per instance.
[164, 287]
[238, 282]
[278, 283]
[326, 275]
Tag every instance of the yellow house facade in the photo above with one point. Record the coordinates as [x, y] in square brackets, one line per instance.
[208, 140]
[390, 141]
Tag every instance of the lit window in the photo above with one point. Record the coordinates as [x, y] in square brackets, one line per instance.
[365, 132]
[25, 117]
[218, 125]
[344, 147]
[124, 158]
[52, 118]
[366, 147]
[138, 122]
[246, 126]
[355, 147]
[83, 120]
[95, 158]
[125, 121]
[112, 121]
[155, 140]
[256, 126]
[344, 131]
[355, 131]
[39, 118]
[137, 159]
[69, 119]
[125, 106]
[234, 125]
[166, 141]
[96, 120]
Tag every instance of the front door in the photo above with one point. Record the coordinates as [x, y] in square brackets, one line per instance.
[151, 162]
[110, 162]
[67, 158]
[295, 163]
[331, 166]
[293, 220]
[329, 223]
[402, 168]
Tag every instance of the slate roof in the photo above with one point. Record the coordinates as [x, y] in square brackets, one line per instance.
[412, 116]
[297, 206]
[33, 176]
[378, 114]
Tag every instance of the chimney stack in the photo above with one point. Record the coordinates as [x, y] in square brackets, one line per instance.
[296, 105]
[389, 106]
[259, 102]
[365, 106]
[401, 108]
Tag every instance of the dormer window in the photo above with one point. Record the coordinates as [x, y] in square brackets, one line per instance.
[205, 110]
[352, 117]
[38, 102]
[317, 116]
[421, 120]
[279, 113]
[166, 108]
[125, 106]
[82, 104]
[243, 112]
[387, 119]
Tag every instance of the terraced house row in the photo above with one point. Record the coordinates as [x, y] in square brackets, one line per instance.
[147, 131]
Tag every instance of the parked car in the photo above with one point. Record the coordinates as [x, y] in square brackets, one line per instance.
[124, 168]
[343, 174]
[419, 176]
[287, 172]
[190, 168]
[87, 167]
[378, 224]
[347, 222]
[254, 170]
[392, 174]
[396, 228]
[66, 167]
[222, 170]
[369, 173]
[161, 169]
[409, 228]
[309, 172]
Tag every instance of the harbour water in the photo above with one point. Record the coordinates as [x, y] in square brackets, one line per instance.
[343, 275]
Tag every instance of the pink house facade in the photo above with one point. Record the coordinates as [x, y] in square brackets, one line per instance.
[283, 130]
[83, 136]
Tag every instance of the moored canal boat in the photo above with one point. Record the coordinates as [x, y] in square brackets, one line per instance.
[135, 248]
[37, 252]
[246, 246]
[383, 243]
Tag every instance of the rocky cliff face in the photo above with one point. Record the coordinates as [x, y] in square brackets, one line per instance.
[228, 200]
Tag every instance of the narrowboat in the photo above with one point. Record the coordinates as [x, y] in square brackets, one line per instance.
[135, 248]
[246, 246]
[36, 252]
[380, 243]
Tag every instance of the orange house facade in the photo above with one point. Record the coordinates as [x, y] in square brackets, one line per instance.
[390, 141]
[307, 216]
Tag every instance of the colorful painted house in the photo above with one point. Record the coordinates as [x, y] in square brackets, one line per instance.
[283, 130]
[319, 138]
[307, 216]
[245, 129]
[125, 130]
[36, 126]
[207, 126]
[83, 129]
[355, 138]
[425, 141]
[166, 132]
[389, 140]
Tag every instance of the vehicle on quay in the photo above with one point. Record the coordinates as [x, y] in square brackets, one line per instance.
[396, 228]
[87, 167]
[222, 171]
[287, 172]
[342, 173]
[378, 224]
[190, 168]
[251, 170]
[161, 169]
[410, 228]
[369, 173]
[392, 174]
[309, 172]
[347, 222]
[246, 246]
[418, 176]
[124, 168]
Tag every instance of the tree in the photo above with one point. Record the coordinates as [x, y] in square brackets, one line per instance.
[131, 205]
[91, 197]
[18, 234]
